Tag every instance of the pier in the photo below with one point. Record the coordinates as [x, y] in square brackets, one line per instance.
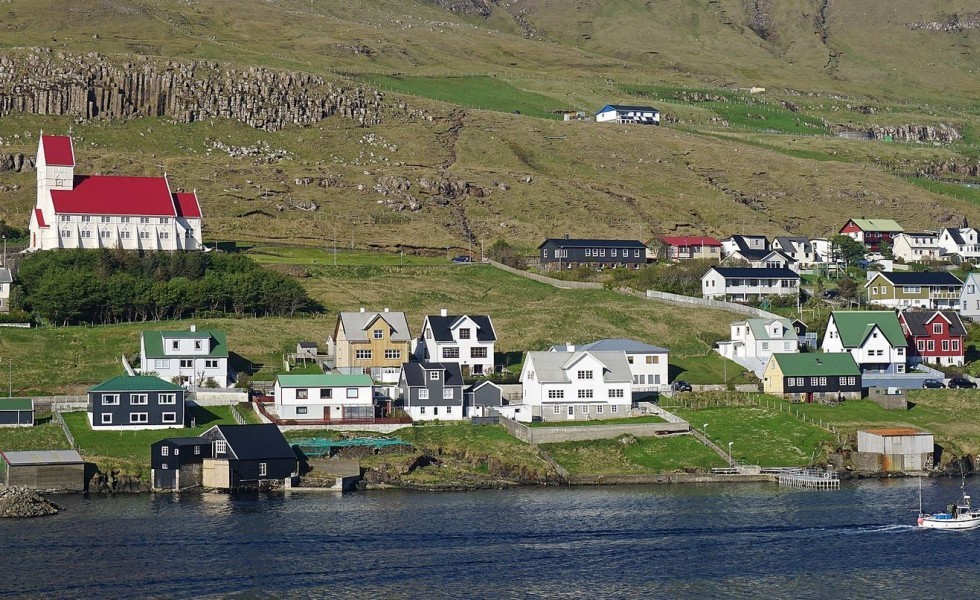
[808, 479]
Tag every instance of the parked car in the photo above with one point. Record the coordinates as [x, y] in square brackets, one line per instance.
[960, 383]
[462, 258]
[932, 384]
[682, 386]
[830, 294]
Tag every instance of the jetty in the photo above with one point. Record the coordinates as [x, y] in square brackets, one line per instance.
[807, 479]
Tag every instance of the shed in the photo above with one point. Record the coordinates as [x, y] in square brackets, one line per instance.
[44, 469]
[16, 412]
[899, 448]
[306, 349]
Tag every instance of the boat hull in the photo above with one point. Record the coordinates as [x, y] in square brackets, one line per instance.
[962, 522]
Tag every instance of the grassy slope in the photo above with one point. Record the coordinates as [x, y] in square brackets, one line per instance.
[641, 456]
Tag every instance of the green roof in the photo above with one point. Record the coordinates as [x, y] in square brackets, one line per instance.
[854, 326]
[16, 404]
[137, 383]
[153, 343]
[813, 364]
[760, 332]
[325, 380]
[878, 224]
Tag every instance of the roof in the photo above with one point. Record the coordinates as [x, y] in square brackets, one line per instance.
[481, 384]
[957, 234]
[925, 278]
[5, 276]
[58, 150]
[854, 326]
[442, 327]
[759, 255]
[16, 404]
[356, 323]
[187, 205]
[813, 364]
[306, 344]
[743, 272]
[629, 107]
[136, 383]
[917, 320]
[324, 380]
[552, 367]
[184, 441]
[761, 332]
[877, 225]
[39, 216]
[153, 342]
[896, 431]
[786, 242]
[115, 195]
[415, 372]
[622, 345]
[255, 442]
[690, 240]
[43, 457]
[593, 243]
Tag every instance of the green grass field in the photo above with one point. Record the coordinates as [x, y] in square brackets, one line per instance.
[487, 93]
[48, 436]
[624, 421]
[708, 369]
[642, 456]
[294, 255]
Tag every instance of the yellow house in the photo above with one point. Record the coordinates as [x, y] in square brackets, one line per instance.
[372, 343]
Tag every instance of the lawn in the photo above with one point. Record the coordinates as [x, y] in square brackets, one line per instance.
[641, 456]
[488, 93]
[760, 436]
[623, 421]
[708, 369]
[953, 190]
[295, 255]
[40, 437]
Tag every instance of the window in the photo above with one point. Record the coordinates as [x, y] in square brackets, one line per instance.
[186, 363]
[326, 393]
[434, 375]
[614, 408]
[557, 410]
[653, 360]
[197, 450]
[301, 410]
[556, 394]
[302, 394]
[598, 409]
[211, 363]
[636, 253]
[164, 220]
[106, 219]
[378, 334]
[86, 219]
[945, 345]
[464, 333]
[478, 352]
[937, 327]
[161, 363]
[874, 290]
[422, 408]
[911, 289]
[790, 382]
[164, 235]
[198, 344]
[956, 345]
[220, 447]
[852, 381]
[447, 394]
[423, 394]
[588, 253]
[362, 355]
[612, 252]
[262, 466]
[145, 234]
[144, 219]
[105, 234]
[66, 233]
[584, 375]
[585, 394]
[823, 381]
[110, 399]
[393, 354]
[164, 451]
[450, 352]
[428, 334]
[585, 409]
[176, 451]
[124, 234]
[765, 345]
[544, 253]
[137, 399]
[814, 381]
[140, 417]
[124, 219]
[616, 393]
[799, 382]
[930, 346]
[175, 345]
[571, 411]
[169, 417]
[66, 218]
[920, 344]
[106, 418]
[352, 392]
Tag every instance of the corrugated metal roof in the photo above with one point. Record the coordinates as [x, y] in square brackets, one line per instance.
[356, 324]
[897, 431]
[817, 364]
[551, 367]
[325, 380]
[622, 345]
[136, 383]
[854, 326]
[887, 225]
[43, 457]
[153, 342]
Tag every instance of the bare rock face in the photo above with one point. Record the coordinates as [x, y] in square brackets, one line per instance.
[92, 86]
[16, 163]
[481, 8]
[954, 23]
[942, 133]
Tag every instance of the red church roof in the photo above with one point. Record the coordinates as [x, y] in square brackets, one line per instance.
[688, 240]
[102, 195]
[187, 205]
[40, 217]
[58, 151]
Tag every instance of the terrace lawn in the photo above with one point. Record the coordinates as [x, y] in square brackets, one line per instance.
[708, 369]
[324, 255]
[643, 456]
[623, 421]
[40, 437]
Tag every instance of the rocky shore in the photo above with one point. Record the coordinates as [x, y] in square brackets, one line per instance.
[23, 502]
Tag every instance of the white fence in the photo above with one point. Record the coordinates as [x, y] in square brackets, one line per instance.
[719, 304]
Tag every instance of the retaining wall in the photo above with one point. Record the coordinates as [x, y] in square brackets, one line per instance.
[373, 427]
[218, 397]
[553, 435]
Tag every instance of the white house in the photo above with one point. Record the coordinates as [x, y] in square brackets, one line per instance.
[98, 211]
[823, 249]
[191, 357]
[745, 244]
[917, 247]
[970, 297]
[760, 338]
[647, 363]
[577, 385]
[873, 337]
[962, 241]
[799, 249]
[327, 397]
[737, 283]
[616, 113]
[465, 339]
[6, 280]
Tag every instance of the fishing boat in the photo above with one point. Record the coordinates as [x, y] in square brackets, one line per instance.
[958, 515]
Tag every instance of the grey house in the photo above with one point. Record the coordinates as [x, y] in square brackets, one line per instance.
[138, 402]
[178, 463]
[432, 391]
[481, 396]
[565, 253]
[16, 412]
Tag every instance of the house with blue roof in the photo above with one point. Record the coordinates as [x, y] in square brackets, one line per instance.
[633, 115]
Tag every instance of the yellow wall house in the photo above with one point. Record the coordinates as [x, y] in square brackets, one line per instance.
[372, 343]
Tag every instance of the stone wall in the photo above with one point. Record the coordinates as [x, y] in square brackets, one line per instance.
[39, 81]
[553, 435]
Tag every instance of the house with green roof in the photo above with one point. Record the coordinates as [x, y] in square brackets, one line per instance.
[872, 232]
[325, 397]
[192, 357]
[131, 402]
[873, 337]
[16, 412]
[813, 376]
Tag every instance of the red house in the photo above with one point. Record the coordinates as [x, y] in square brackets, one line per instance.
[935, 336]
[872, 232]
[691, 247]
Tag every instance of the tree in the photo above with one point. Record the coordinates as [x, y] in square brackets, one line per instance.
[885, 248]
[847, 288]
[847, 248]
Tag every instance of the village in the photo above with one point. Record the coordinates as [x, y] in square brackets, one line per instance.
[373, 376]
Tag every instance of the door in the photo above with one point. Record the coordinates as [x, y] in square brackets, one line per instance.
[164, 479]
[217, 474]
[571, 411]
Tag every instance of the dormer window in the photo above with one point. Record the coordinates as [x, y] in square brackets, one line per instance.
[937, 328]
[434, 375]
[379, 334]
[464, 333]
[175, 345]
[198, 344]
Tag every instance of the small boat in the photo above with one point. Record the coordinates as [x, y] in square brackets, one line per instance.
[958, 515]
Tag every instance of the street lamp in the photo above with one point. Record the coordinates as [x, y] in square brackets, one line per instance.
[704, 432]
[731, 459]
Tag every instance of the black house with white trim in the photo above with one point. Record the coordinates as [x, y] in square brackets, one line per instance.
[566, 253]
[136, 402]
[432, 391]
[247, 456]
[178, 463]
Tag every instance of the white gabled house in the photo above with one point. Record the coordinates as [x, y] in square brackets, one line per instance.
[962, 241]
[873, 337]
[648, 363]
[760, 338]
[970, 297]
[618, 113]
[737, 283]
[326, 397]
[464, 339]
[560, 386]
[917, 247]
[189, 357]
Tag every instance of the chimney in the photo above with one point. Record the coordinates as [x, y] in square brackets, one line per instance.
[570, 347]
[193, 328]
[443, 312]
[362, 309]
[566, 236]
[386, 309]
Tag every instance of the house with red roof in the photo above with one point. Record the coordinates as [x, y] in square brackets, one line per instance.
[104, 211]
[689, 247]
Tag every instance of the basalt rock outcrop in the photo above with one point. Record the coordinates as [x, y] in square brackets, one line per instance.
[23, 502]
[941, 133]
[91, 86]
[115, 483]
[954, 23]
[16, 162]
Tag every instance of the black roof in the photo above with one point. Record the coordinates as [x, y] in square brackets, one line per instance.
[186, 441]
[761, 254]
[757, 273]
[307, 344]
[916, 321]
[441, 327]
[415, 373]
[926, 278]
[955, 234]
[254, 442]
[632, 107]
[589, 243]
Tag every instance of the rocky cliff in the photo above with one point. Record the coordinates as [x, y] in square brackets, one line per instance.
[91, 86]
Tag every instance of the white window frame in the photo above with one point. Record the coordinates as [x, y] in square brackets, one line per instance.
[447, 393]
[556, 394]
[110, 399]
[557, 409]
[263, 469]
[362, 355]
[352, 392]
[220, 447]
[168, 417]
[424, 394]
[106, 419]
[164, 450]
[139, 399]
[434, 375]
[139, 418]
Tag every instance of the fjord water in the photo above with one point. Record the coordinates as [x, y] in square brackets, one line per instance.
[655, 541]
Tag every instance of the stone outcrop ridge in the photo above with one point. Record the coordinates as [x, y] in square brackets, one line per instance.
[39, 81]
[947, 168]
[16, 162]
[954, 23]
[23, 502]
[941, 133]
